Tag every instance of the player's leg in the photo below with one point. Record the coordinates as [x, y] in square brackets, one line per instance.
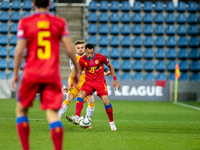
[90, 108]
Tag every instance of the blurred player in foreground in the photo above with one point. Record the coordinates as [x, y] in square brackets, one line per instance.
[93, 63]
[41, 34]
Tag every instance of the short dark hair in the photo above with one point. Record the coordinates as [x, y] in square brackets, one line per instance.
[41, 3]
[89, 46]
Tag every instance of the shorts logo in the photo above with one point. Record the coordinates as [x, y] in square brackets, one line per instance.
[96, 61]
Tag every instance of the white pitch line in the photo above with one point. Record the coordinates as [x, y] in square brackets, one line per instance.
[188, 106]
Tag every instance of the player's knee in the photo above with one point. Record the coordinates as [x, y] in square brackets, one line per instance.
[20, 111]
[105, 100]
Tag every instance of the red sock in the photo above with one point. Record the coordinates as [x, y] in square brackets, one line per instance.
[23, 130]
[79, 106]
[56, 131]
[109, 111]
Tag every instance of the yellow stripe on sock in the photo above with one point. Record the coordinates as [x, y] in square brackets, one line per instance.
[91, 104]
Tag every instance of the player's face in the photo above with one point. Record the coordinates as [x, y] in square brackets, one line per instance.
[89, 53]
[80, 48]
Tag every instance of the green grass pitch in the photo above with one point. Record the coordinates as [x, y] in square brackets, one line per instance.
[141, 125]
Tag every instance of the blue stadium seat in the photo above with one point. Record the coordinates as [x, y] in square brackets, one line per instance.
[148, 18]
[126, 18]
[159, 30]
[181, 7]
[127, 76]
[195, 77]
[27, 5]
[92, 17]
[115, 29]
[104, 51]
[125, 6]
[116, 64]
[182, 42]
[183, 65]
[158, 6]
[103, 41]
[171, 30]
[14, 27]
[192, 18]
[169, 6]
[126, 53]
[92, 29]
[170, 18]
[148, 42]
[171, 41]
[193, 30]
[3, 63]
[194, 41]
[195, 65]
[192, 6]
[148, 29]
[159, 18]
[161, 65]
[184, 77]
[16, 5]
[171, 54]
[171, 65]
[26, 13]
[10, 74]
[12, 52]
[161, 76]
[3, 75]
[103, 5]
[137, 18]
[114, 18]
[149, 76]
[171, 77]
[92, 6]
[52, 5]
[149, 65]
[103, 29]
[126, 65]
[4, 16]
[183, 54]
[4, 28]
[126, 29]
[103, 17]
[15, 16]
[181, 18]
[182, 30]
[194, 54]
[137, 54]
[118, 76]
[106, 68]
[3, 52]
[160, 41]
[160, 54]
[138, 65]
[93, 40]
[115, 53]
[13, 40]
[11, 64]
[137, 41]
[5, 5]
[147, 6]
[115, 41]
[138, 77]
[3, 39]
[137, 6]
[114, 6]
[137, 29]
[126, 41]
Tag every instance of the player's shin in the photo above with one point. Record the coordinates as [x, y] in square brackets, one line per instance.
[90, 110]
[79, 106]
[64, 107]
[109, 111]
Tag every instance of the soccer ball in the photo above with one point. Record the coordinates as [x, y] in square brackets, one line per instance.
[84, 122]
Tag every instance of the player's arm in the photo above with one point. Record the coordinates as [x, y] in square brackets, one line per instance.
[21, 44]
[71, 53]
[107, 73]
[116, 85]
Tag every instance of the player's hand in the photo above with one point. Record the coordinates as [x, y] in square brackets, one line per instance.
[76, 78]
[107, 73]
[66, 89]
[116, 85]
[14, 80]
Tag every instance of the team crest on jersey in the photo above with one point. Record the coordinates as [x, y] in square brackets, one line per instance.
[85, 63]
[96, 61]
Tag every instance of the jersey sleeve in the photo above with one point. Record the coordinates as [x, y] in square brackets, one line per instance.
[105, 60]
[21, 30]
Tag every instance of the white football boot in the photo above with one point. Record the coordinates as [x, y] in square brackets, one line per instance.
[112, 126]
[73, 119]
